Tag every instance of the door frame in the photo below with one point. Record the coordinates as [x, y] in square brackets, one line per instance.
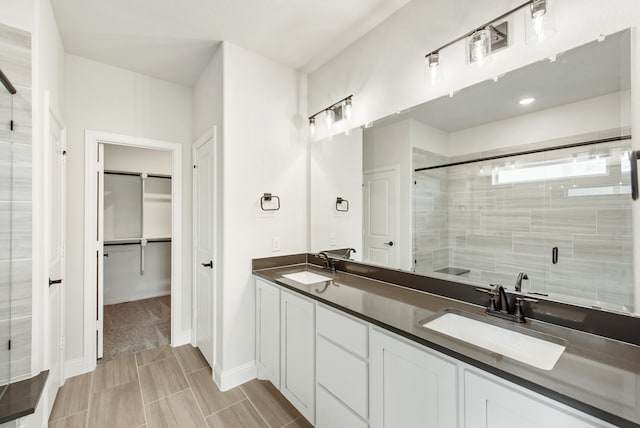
[210, 134]
[396, 174]
[91, 168]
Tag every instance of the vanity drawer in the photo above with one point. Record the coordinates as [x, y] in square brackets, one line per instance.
[344, 375]
[346, 332]
[331, 413]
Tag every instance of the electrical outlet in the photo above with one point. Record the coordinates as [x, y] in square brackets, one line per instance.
[275, 243]
[332, 239]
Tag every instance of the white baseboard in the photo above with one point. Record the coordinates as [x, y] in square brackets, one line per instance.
[134, 298]
[182, 338]
[75, 367]
[229, 379]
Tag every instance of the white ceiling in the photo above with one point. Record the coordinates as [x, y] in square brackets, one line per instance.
[174, 40]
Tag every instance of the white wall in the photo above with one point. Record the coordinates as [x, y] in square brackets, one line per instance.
[48, 77]
[583, 117]
[384, 69]
[428, 138]
[105, 98]
[264, 151]
[18, 13]
[207, 94]
[135, 159]
[386, 146]
[207, 97]
[336, 170]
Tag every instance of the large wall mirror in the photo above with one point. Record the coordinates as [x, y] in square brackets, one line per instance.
[523, 179]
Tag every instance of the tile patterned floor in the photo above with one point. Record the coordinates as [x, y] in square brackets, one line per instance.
[167, 387]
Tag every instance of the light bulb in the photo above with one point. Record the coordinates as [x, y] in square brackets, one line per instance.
[433, 63]
[347, 108]
[312, 126]
[540, 21]
[329, 117]
[479, 46]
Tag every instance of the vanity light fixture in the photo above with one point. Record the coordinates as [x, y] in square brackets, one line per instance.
[336, 112]
[488, 38]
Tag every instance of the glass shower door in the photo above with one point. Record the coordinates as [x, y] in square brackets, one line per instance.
[6, 236]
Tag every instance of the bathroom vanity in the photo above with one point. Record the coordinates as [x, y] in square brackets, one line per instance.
[350, 350]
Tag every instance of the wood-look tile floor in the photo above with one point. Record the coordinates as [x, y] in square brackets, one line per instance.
[167, 387]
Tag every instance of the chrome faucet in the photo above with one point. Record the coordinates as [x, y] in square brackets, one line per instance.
[521, 276]
[503, 302]
[347, 253]
[328, 262]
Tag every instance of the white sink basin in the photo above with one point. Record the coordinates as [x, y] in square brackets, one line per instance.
[521, 347]
[306, 277]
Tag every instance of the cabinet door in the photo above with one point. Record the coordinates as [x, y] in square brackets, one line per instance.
[410, 387]
[268, 332]
[298, 353]
[489, 404]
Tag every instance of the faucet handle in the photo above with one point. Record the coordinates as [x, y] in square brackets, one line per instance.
[517, 311]
[492, 297]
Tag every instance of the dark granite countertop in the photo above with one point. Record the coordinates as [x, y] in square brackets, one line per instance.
[21, 398]
[595, 374]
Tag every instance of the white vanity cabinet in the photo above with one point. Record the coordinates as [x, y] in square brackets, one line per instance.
[268, 331]
[342, 370]
[297, 352]
[411, 386]
[285, 345]
[495, 403]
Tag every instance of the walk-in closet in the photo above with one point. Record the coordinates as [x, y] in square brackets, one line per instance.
[136, 232]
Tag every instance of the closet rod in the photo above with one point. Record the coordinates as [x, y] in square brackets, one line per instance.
[135, 242]
[136, 174]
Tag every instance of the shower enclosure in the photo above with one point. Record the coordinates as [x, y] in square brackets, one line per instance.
[7, 244]
[560, 216]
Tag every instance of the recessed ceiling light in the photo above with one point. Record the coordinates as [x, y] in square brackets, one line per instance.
[526, 101]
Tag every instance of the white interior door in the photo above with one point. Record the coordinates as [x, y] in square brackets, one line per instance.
[100, 255]
[381, 217]
[204, 244]
[55, 237]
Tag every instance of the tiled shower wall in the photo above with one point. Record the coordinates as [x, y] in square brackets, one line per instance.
[462, 220]
[15, 203]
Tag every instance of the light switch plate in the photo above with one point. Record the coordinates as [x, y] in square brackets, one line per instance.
[332, 239]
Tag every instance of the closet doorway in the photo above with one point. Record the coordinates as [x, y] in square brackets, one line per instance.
[136, 235]
[133, 297]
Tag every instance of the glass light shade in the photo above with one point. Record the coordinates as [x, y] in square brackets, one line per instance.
[329, 118]
[479, 46]
[539, 21]
[432, 65]
[312, 126]
[347, 109]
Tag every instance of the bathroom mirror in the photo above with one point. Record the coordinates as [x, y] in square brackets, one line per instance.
[466, 188]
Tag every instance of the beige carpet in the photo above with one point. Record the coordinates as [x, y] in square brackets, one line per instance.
[136, 326]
